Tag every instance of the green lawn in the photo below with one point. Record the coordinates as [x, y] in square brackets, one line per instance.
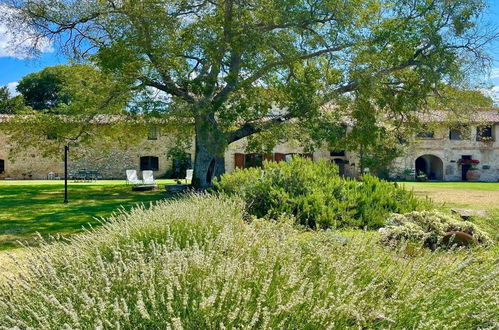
[489, 186]
[473, 195]
[469, 195]
[28, 207]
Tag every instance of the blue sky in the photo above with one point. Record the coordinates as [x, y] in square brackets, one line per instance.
[13, 66]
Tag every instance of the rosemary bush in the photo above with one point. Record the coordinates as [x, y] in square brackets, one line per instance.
[317, 196]
[195, 264]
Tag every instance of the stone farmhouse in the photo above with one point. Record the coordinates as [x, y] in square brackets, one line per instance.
[448, 153]
[444, 153]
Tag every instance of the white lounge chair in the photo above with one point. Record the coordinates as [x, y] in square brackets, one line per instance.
[131, 177]
[148, 177]
[188, 175]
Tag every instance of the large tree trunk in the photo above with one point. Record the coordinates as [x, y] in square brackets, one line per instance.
[209, 158]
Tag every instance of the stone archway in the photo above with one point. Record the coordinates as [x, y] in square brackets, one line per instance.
[431, 165]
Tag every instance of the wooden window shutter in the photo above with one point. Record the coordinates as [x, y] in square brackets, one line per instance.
[279, 157]
[239, 160]
[268, 157]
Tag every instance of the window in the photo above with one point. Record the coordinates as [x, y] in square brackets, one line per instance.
[2, 166]
[426, 135]
[149, 163]
[458, 133]
[253, 160]
[484, 133]
[153, 133]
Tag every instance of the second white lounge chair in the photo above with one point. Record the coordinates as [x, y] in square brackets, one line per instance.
[148, 177]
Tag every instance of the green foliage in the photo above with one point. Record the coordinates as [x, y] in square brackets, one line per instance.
[73, 104]
[316, 195]
[72, 89]
[44, 90]
[227, 65]
[194, 263]
[8, 104]
[428, 228]
[181, 162]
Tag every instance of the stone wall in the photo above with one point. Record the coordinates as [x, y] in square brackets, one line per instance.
[113, 163]
[110, 163]
[30, 165]
[450, 151]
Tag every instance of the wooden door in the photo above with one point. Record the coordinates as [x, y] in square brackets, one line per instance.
[239, 160]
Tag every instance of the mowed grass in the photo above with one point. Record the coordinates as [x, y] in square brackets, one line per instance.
[30, 207]
[464, 195]
[473, 195]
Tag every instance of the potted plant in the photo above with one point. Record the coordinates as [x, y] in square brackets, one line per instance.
[486, 139]
[421, 176]
[473, 173]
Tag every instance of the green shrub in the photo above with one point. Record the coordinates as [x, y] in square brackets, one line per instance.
[316, 195]
[428, 228]
[194, 264]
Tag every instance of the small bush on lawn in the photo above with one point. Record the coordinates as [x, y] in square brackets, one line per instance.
[316, 195]
[428, 228]
[194, 264]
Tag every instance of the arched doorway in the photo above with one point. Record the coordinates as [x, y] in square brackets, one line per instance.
[431, 165]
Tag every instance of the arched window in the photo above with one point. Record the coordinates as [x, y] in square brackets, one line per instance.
[2, 166]
[149, 163]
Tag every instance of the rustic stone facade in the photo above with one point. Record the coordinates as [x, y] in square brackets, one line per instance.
[112, 164]
[437, 155]
[441, 158]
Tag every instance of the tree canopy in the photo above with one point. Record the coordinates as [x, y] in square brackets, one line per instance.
[237, 68]
[72, 89]
[10, 104]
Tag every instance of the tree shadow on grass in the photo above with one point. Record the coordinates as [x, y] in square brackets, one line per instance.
[28, 210]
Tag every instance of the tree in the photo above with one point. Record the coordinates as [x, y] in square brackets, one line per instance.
[55, 88]
[43, 90]
[10, 104]
[68, 103]
[229, 64]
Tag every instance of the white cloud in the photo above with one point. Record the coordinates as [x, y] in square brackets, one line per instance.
[494, 73]
[19, 41]
[12, 88]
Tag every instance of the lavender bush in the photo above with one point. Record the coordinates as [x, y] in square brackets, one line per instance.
[195, 264]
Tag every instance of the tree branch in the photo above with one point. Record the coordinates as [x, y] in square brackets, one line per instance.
[269, 66]
[250, 128]
[168, 86]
